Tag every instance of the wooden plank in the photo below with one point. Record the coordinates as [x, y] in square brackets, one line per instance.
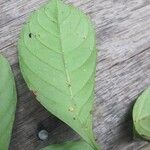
[123, 71]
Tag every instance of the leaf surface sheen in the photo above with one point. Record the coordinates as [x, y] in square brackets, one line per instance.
[7, 103]
[57, 56]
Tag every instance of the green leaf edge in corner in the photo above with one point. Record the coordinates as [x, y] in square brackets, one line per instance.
[57, 57]
[8, 100]
[71, 145]
[141, 116]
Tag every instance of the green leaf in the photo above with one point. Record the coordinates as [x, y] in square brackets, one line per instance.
[141, 115]
[57, 56]
[7, 103]
[76, 145]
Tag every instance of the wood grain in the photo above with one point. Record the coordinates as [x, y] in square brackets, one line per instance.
[123, 72]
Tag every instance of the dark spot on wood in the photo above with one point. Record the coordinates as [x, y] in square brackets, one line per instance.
[43, 135]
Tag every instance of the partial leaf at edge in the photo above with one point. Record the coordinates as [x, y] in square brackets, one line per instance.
[141, 115]
[57, 58]
[7, 103]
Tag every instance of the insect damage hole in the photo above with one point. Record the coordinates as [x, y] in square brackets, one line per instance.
[30, 35]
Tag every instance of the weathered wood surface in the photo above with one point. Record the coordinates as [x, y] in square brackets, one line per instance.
[123, 71]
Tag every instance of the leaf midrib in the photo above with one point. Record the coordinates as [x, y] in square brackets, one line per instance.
[66, 70]
[63, 58]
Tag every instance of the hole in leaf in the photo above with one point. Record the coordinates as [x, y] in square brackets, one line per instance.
[30, 35]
